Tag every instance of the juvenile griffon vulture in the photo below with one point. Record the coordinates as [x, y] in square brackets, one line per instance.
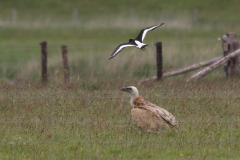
[147, 115]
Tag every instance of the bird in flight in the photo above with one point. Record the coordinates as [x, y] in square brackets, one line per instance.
[137, 42]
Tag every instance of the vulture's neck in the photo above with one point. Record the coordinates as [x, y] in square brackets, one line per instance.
[132, 101]
[135, 101]
[134, 95]
[138, 100]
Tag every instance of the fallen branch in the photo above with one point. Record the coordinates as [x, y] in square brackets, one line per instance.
[191, 68]
[213, 66]
[149, 79]
[184, 70]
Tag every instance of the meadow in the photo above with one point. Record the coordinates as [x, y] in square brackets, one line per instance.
[80, 122]
[89, 118]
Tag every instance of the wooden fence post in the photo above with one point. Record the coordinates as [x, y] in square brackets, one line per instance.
[229, 45]
[215, 65]
[159, 60]
[44, 61]
[65, 64]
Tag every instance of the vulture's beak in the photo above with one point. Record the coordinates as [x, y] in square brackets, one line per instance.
[124, 89]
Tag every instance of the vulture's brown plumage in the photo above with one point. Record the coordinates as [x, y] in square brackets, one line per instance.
[148, 115]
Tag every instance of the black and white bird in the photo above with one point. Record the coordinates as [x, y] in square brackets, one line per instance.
[137, 42]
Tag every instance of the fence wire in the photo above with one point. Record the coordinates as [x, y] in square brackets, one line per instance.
[86, 46]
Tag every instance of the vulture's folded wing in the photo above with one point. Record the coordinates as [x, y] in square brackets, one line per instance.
[158, 111]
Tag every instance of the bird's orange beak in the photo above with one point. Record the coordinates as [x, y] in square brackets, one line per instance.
[128, 42]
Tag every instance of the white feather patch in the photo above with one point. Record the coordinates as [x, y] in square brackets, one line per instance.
[119, 48]
[149, 29]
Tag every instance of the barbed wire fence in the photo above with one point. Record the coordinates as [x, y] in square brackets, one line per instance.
[73, 48]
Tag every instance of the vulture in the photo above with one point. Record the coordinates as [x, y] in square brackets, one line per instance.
[147, 115]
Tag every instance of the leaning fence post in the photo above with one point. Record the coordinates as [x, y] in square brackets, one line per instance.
[159, 60]
[229, 45]
[44, 61]
[65, 64]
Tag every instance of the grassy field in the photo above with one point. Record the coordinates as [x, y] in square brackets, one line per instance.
[89, 122]
[99, 27]
[89, 58]
[90, 118]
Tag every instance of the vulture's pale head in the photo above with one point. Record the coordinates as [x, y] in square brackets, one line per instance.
[133, 92]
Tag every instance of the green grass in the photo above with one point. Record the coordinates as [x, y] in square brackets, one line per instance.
[90, 118]
[77, 122]
[209, 11]
[89, 51]
[101, 26]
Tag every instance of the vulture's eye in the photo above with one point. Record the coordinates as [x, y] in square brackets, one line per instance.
[129, 89]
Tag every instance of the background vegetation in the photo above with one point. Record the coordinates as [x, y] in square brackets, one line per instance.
[92, 30]
[90, 118]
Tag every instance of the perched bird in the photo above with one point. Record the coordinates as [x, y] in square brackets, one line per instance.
[147, 115]
[137, 42]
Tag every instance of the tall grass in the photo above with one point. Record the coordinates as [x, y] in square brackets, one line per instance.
[89, 50]
[90, 122]
[94, 35]
[90, 118]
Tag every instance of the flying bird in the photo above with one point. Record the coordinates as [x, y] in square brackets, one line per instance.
[148, 115]
[137, 42]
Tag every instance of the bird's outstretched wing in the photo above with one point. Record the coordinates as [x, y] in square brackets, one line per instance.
[119, 48]
[158, 111]
[144, 32]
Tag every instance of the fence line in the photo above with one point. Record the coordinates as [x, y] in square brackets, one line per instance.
[101, 46]
[66, 69]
